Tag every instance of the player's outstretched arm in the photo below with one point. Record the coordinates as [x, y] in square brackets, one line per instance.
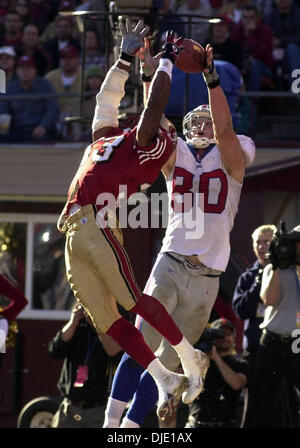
[159, 91]
[225, 136]
[113, 87]
[149, 65]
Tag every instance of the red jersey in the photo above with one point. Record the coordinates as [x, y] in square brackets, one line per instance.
[117, 159]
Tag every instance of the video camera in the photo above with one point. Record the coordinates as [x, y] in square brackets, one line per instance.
[282, 250]
[208, 338]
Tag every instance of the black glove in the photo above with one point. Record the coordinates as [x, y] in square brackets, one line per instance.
[272, 257]
[211, 78]
[282, 253]
[172, 46]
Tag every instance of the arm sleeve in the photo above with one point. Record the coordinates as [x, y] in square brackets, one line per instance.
[108, 99]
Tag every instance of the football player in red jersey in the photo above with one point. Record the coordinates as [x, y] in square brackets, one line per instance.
[97, 265]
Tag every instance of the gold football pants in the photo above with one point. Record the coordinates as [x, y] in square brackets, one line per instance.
[98, 268]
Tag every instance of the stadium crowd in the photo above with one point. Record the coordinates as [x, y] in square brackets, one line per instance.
[41, 53]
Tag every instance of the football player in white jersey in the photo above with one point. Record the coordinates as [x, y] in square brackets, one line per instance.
[204, 175]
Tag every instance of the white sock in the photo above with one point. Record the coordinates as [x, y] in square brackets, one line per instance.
[157, 370]
[185, 352]
[127, 423]
[113, 413]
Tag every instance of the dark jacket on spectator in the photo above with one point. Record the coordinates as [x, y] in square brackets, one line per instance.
[246, 301]
[83, 349]
[228, 51]
[168, 21]
[285, 26]
[30, 112]
[259, 42]
[42, 58]
[51, 46]
[43, 13]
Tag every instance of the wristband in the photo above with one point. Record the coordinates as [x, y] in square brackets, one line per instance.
[146, 78]
[211, 78]
[165, 65]
[213, 84]
[124, 57]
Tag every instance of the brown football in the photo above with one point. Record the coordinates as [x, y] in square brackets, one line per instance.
[192, 58]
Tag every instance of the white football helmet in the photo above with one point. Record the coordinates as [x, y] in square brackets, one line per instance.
[191, 123]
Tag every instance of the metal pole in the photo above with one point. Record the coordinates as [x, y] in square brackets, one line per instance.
[82, 83]
[187, 76]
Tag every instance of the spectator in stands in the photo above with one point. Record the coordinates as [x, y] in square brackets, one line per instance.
[64, 30]
[31, 47]
[199, 32]
[100, 25]
[224, 47]
[233, 10]
[169, 20]
[93, 53]
[94, 77]
[196, 93]
[42, 12]
[256, 40]
[32, 120]
[8, 63]
[13, 28]
[285, 23]
[22, 7]
[67, 79]
[264, 7]
[216, 6]
[49, 31]
[5, 6]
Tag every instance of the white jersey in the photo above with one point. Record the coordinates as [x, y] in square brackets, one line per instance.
[206, 232]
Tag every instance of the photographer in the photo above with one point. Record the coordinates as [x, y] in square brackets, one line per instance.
[278, 358]
[216, 405]
[89, 360]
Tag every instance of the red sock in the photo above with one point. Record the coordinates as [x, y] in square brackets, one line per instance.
[132, 341]
[156, 315]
